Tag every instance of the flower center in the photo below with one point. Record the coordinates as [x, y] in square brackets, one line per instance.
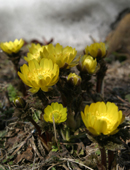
[35, 75]
[104, 117]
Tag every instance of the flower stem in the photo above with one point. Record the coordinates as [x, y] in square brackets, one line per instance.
[100, 77]
[43, 98]
[110, 158]
[99, 86]
[103, 157]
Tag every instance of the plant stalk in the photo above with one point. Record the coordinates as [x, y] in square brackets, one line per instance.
[103, 157]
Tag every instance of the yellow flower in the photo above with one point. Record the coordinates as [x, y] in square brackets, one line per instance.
[74, 79]
[39, 75]
[101, 118]
[34, 52]
[96, 50]
[56, 111]
[12, 47]
[89, 63]
[63, 57]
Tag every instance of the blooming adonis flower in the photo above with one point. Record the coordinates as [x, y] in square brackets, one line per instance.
[96, 50]
[12, 47]
[34, 52]
[89, 64]
[74, 79]
[39, 75]
[101, 118]
[63, 57]
[56, 111]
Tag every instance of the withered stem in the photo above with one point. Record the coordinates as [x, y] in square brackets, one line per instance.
[39, 132]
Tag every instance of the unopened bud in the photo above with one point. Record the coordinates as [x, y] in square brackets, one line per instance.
[89, 64]
[74, 79]
[19, 102]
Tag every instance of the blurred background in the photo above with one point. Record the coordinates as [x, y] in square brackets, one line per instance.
[67, 22]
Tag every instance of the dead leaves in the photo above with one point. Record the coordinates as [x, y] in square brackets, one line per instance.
[26, 155]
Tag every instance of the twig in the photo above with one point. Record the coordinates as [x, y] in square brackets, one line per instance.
[69, 165]
[93, 40]
[71, 160]
[9, 167]
[65, 167]
[34, 161]
[118, 97]
[53, 166]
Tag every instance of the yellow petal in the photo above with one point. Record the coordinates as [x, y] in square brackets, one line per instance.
[34, 90]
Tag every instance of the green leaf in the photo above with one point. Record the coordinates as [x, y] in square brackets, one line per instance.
[98, 152]
[3, 133]
[81, 152]
[54, 148]
[53, 168]
[11, 163]
[12, 92]
[36, 115]
[5, 160]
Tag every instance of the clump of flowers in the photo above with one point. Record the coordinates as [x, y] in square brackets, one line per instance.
[74, 79]
[47, 66]
[101, 118]
[63, 57]
[56, 111]
[12, 47]
[41, 75]
[96, 50]
[34, 52]
[89, 64]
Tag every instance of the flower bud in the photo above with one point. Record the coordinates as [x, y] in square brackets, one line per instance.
[19, 102]
[74, 79]
[89, 64]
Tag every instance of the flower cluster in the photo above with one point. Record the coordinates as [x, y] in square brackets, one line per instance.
[43, 77]
[63, 57]
[42, 72]
[49, 65]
